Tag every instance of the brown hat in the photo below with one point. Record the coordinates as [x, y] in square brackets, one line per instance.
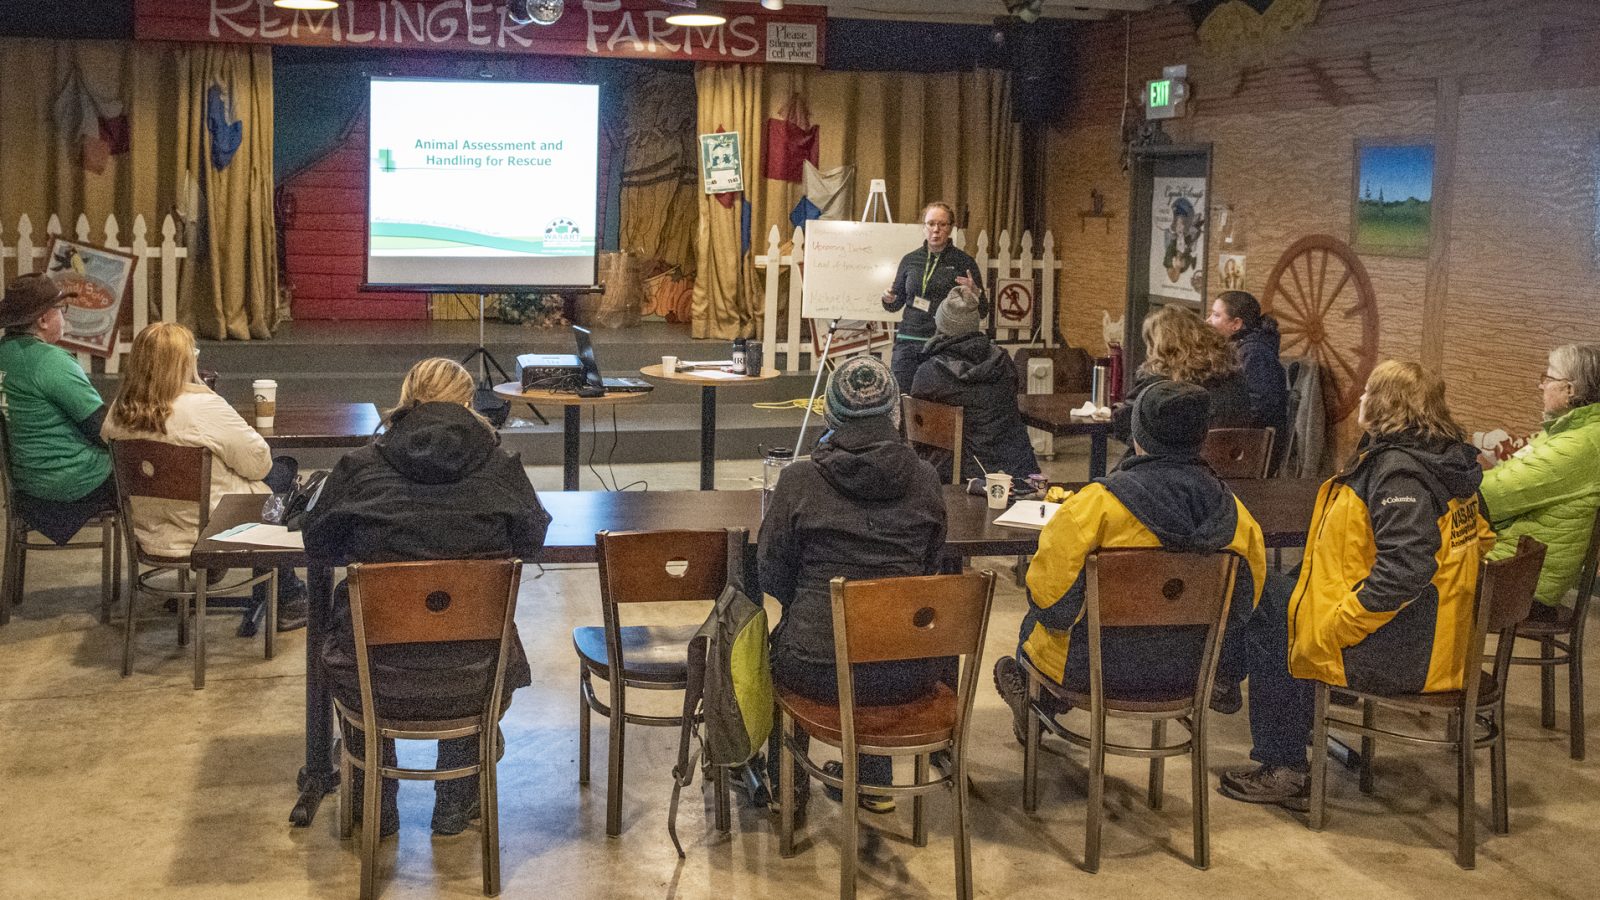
[27, 298]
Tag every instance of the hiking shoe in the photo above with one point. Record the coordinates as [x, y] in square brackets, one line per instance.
[293, 610]
[451, 818]
[1226, 698]
[876, 803]
[1277, 785]
[1012, 685]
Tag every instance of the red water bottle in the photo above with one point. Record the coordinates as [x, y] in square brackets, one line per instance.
[1115, 353]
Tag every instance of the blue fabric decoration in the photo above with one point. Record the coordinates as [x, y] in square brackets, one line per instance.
[803, 212]
[225, 136]
[744, 227]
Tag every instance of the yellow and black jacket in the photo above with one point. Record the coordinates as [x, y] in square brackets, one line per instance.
[1384, 599]
[1149, 501]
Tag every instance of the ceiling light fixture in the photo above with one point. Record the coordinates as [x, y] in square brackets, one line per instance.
[306, 4]
[773, 5]
[535, 12]
[696, 15]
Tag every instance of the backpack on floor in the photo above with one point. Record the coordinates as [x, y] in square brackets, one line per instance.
[727, 704]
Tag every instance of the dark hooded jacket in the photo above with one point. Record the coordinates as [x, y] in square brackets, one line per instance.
[1266, 380]
[1230, 406]
[436, 485]
[969, 371]
[863, 506]
[1173, 502]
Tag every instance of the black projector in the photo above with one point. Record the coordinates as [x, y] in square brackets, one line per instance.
[549, 371]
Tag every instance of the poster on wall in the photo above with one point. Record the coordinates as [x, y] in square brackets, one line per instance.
[1177, 238]
[97, 279]
[1392, 210]
[720, 165]
[1230, 271]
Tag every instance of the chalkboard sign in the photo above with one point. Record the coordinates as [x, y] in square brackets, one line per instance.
[850, 264]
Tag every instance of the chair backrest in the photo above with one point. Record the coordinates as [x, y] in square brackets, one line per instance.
[1586, 579]
[162, 471]
[5, 465]
[935, 425]
[1239, 452]
[1505, 595]
[661, 567]
[915, 617]
[432, 601]
[1152, 587]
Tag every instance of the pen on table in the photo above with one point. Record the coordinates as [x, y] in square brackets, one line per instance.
[1041, 510]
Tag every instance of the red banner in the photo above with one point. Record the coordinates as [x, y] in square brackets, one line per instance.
[625, 28]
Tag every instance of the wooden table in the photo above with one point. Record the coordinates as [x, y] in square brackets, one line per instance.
[1282, 507]
[572, 421]
[708, 410]
[1052, 413]
[318, 425]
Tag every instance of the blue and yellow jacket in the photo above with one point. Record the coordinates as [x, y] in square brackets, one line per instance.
[1385, 595]
[1149, 501]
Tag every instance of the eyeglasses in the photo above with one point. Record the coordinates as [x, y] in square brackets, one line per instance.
[937, 224]
[1547, 378]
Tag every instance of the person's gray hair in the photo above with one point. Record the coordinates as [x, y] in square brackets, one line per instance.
[1580, 364]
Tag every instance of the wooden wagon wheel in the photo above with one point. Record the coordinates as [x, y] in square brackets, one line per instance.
[1323, 301]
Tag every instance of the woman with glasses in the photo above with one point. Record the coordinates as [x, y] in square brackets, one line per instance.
[926, 276]
[1551, 488]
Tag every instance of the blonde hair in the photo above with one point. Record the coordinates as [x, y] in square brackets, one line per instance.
[940, 204]
[160, 364]
[1180, 345]
[435, 380]
[1405, 397]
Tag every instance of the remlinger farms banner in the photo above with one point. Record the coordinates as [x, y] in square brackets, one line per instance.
[621, 28]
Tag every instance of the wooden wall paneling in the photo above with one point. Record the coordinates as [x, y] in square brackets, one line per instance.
[1447, 119]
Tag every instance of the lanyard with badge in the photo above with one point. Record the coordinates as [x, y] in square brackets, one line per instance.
[921, 301]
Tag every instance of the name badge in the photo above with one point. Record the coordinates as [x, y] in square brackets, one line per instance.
[920, 303]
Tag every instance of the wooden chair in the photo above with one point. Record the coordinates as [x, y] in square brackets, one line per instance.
[12, 582]
[646, 567]
[937, 425]
[1239, 452]
[1139, 588]
[1505, 592]
[923, 617]
[160, 471]
[424, 603]
[1561, 644]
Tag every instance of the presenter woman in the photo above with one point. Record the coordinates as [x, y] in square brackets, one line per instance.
[926, 276]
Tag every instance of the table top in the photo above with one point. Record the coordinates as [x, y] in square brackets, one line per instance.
[1282, 507]
[512, 390]
[318, 425]
[1052, 413]
[654, 371]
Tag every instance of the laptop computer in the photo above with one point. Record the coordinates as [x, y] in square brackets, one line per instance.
[592, 380]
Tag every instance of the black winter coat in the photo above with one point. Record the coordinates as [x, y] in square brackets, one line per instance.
[1230, 406]
[436, 485]
[863, 506]
[969, 371]
[930, 276]
[1266, 380]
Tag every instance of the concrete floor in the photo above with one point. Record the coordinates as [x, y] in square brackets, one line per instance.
[144, 787]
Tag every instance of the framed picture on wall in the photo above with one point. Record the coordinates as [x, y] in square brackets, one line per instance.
[1391, 208]
[98, 279]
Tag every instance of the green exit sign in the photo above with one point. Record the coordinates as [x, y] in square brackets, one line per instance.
[1164, 98]
[1160, 93]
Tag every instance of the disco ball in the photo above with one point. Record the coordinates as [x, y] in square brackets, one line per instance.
[535, 12]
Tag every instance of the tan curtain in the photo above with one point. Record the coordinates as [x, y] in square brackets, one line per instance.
[660, 187]
[230, 282]
[727, 299]
[942, 136]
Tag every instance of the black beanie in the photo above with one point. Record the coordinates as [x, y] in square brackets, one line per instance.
[1170, 418]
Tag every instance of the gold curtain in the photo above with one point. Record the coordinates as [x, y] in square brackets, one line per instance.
[660, 188]
[942, 136]
[230, 280]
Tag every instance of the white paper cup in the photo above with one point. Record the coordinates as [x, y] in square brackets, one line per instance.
[997, 487]
[266, 391]
[669, 365]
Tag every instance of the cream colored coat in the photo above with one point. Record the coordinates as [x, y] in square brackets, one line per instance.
[240, 458]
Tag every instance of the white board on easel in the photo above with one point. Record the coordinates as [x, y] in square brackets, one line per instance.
[848, 266]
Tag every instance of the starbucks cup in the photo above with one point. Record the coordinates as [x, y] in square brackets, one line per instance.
[266, 391]
[997, 486]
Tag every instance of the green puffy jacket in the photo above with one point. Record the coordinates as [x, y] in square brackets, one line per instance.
[1550, 490]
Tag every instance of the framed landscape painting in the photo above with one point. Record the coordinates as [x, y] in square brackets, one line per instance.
[1392, 210]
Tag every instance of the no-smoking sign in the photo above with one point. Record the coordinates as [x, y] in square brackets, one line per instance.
[1013, 302]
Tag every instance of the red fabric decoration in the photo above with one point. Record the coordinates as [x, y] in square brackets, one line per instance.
[114, 131]
[791, 141]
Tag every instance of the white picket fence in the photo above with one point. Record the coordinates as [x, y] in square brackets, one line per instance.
[156, 261]
[784, 335]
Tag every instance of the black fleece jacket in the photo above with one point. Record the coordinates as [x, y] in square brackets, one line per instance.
[969, 371]
[931, 276]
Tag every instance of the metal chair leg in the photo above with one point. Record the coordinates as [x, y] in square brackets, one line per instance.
[1466, 799]
[723, 802]
[1097, 789]
[1497, 771]
[583, 726]
[963, 840]
[1319, 760]
[200, 631]
[614, 757]
[919, 822]
[1547, 684]
[489, 803]
[785, 787]
[1158, 765]
[347, 812]
[128, 624]
[1202, 797]
[1369, 747]
[1030, 751]
[184, 609]
[271, 639]
[108, 546]
[8, 596]
[849, 843]
[371, 822]
[1575, 698]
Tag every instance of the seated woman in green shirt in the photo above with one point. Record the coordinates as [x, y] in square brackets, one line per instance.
[59, 465]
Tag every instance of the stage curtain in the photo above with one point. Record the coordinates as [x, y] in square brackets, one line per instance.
[660, 187]
[159, 89]
[931, 136]
[727, 297]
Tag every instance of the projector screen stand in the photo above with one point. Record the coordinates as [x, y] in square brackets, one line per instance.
[481, 355]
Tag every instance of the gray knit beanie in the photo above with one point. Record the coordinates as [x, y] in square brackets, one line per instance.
[860, 388]
[958, 314]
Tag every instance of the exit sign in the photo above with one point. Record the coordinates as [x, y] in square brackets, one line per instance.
[1164, 97]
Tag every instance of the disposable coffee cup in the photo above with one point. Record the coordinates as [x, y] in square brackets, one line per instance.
[669, 364]
[266, 391]
[997, 487]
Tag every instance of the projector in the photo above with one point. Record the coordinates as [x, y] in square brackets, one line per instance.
[549, 371]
